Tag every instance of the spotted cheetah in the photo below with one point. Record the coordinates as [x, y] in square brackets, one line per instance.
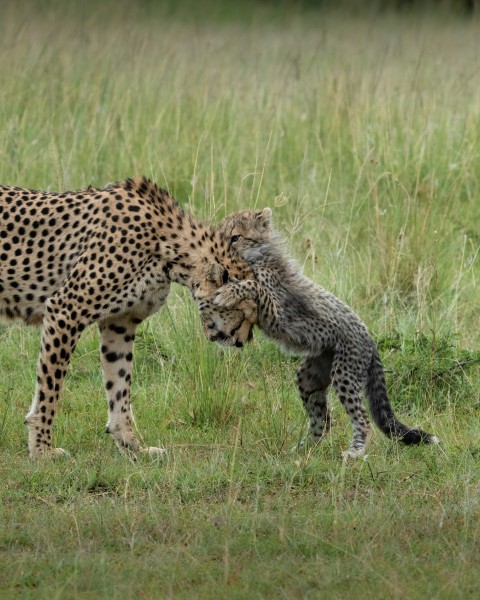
[306, 319]
[107, 256]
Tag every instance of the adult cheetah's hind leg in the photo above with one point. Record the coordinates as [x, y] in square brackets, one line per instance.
[313, 380]
[117, 338]
[61, 330]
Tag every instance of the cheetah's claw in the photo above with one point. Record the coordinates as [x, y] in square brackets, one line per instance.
[228, 296]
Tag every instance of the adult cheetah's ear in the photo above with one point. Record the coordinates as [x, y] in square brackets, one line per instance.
[217, 274]
[264, 218]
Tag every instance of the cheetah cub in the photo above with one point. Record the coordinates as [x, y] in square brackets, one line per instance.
[306, 319]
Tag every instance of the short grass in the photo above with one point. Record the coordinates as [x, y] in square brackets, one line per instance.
[362, 133]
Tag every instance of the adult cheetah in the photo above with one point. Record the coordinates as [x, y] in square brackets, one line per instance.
[108, 256]
[306, 319]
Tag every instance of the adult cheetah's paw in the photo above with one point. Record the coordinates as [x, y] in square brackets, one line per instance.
[50, 454]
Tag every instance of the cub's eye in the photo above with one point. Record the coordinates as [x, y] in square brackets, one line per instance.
[234, 238]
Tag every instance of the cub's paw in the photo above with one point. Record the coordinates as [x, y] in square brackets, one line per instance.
[228, 296]
[154, 452]
[353, 454]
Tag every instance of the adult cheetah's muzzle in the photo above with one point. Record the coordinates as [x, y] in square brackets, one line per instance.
[239, 343]
[219, 337]
[229, 339]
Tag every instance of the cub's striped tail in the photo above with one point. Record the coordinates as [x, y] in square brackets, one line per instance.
[382, 412]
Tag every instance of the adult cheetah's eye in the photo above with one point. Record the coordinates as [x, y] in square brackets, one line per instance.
[234, 239]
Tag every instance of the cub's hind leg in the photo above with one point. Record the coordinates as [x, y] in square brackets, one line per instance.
[313, 380]
[347, 381]
[117, 338]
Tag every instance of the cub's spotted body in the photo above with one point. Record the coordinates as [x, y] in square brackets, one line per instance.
[306, 319]
[107, 256]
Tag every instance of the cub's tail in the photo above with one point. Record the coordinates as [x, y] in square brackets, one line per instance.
[382, 412]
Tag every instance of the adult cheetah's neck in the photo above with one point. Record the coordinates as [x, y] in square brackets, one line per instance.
[186, 245]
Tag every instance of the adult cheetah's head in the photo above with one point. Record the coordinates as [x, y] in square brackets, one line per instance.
[226, 326]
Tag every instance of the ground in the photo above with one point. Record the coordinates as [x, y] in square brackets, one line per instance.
[361, 132]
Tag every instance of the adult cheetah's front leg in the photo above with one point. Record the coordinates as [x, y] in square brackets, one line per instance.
[117, 338]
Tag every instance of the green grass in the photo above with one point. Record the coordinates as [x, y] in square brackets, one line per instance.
[361, 132]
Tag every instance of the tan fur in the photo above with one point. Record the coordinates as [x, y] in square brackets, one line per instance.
[106, 256]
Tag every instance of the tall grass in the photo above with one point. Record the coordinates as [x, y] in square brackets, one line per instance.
[362, 133]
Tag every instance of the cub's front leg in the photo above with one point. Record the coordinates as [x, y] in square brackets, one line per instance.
[231, 294]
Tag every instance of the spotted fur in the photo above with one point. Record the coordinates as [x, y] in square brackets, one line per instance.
[306, 319]
[106, 256]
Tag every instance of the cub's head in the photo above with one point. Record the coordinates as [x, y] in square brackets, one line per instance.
[247, 233]
[226, 326]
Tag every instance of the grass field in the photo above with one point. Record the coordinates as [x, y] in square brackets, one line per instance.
[362, 133]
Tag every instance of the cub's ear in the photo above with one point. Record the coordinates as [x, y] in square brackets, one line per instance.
[264, 218]
[217, 274]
